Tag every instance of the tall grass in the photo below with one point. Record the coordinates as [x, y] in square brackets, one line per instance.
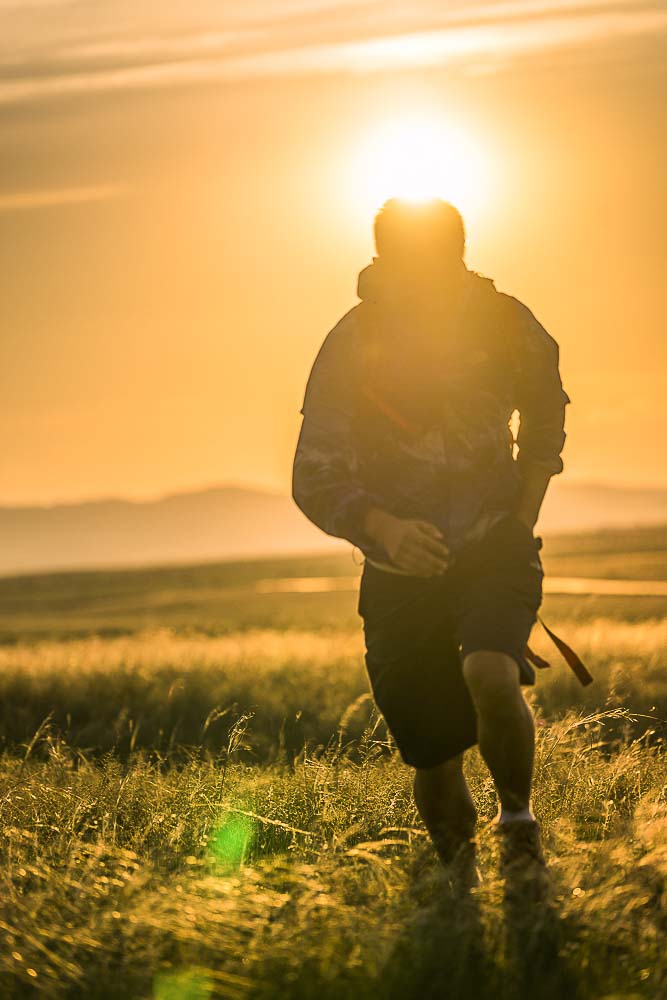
[217, 878]
[189, 818]
[162, 690]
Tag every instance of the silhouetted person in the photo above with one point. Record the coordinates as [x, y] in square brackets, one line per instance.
[406, 451]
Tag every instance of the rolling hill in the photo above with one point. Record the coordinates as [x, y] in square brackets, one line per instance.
[232, 522]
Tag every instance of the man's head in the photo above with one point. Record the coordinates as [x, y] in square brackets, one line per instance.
[419, 232]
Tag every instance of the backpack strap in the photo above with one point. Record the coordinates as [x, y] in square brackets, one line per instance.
[568, 654]
[389, 409]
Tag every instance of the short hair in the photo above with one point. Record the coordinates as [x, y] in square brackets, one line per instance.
[434, 224]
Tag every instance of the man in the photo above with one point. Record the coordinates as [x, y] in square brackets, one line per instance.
[406, 451]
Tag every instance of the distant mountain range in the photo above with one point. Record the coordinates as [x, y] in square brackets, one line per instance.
[231, 522]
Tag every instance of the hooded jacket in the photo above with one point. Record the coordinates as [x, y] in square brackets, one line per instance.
[408, 404]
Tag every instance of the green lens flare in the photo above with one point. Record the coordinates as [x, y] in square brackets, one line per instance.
[231, 840]
[182, 985]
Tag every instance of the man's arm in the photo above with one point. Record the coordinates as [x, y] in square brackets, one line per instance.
[326, 484]
[541, 401]
[535, 482]
[325, 476]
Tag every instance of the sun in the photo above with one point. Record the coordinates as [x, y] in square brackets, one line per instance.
[418, 159]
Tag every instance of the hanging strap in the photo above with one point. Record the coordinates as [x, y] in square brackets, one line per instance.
[568, 654]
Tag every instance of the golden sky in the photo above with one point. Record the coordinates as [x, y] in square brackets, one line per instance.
[186, 199]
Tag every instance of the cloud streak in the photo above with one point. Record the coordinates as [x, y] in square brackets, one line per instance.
[19, 201]
[297, 38]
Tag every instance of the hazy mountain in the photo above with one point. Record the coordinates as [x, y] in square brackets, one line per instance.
[233, 522]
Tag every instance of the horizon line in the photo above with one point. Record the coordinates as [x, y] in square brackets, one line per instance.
[247, 487]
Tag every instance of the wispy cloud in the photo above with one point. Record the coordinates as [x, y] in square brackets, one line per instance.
[18, 201]
[22, 4]
[283, 38]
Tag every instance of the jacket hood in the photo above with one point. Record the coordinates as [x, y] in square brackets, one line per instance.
[379, 284]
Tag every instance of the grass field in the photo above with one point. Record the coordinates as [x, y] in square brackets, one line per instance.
[199, 800]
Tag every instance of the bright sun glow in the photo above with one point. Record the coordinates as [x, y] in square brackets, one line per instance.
[418, 159]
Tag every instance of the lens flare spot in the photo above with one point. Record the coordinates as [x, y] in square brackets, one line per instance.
[231, 840]
[186, 984]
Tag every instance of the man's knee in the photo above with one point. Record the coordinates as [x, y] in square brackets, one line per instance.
[442, 774]
[493, 680]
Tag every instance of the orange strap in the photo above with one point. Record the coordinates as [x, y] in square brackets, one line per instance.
[389, 410]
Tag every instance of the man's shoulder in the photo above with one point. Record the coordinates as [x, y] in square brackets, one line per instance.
[349, 324]
[336, 360]
[522, 320]
[343, 337]
[512, 306]
[499, 306]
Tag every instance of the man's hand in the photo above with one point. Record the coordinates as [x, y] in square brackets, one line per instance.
[412, 545]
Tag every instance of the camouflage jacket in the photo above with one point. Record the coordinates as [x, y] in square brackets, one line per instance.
[420, 426]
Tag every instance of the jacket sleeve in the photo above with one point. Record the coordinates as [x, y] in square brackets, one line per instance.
[540, 396]
[326, 482]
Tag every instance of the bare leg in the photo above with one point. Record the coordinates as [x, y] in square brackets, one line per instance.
[445, 804]
[505, 727]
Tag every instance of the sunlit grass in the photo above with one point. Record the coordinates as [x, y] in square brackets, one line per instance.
[189, 817]
[162, 690]
[222, 879]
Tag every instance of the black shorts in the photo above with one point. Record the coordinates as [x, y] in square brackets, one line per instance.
[419, 629]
